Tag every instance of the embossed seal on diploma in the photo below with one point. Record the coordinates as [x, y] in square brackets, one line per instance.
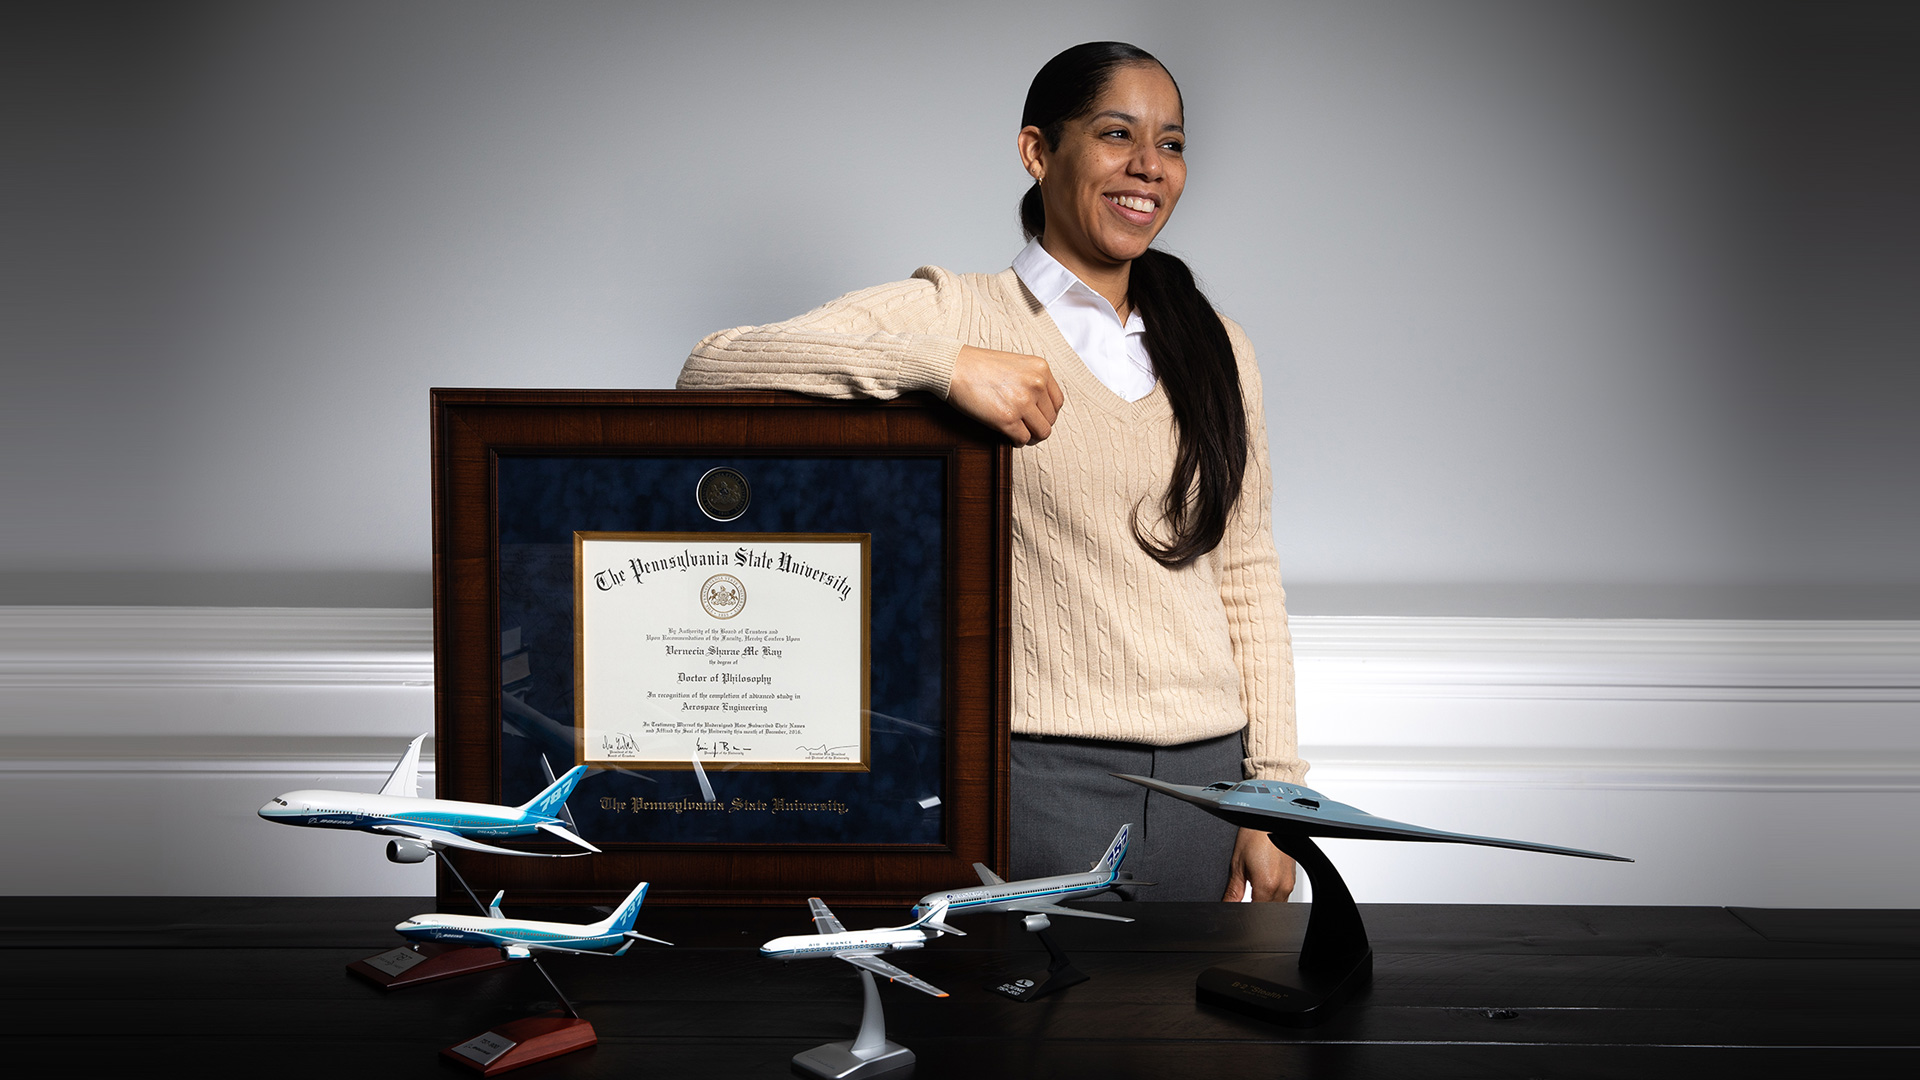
[723, 596]
[723, 493]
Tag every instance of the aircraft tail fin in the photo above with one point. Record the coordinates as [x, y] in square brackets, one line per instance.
[566, 815]
[623, 916]
[405, 778]
[551, 801]
[493, 909]
[1116, 851]
[936, 919]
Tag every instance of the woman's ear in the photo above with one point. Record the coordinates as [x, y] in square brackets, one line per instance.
[1033, 150]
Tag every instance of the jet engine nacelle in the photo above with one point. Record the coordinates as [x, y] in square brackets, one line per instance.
[1036, 923]
[408, 851]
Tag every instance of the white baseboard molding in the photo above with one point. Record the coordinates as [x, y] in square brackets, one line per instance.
[1611, 659]
[1655, 736]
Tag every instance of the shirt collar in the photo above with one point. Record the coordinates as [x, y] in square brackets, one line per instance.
[1048, 281]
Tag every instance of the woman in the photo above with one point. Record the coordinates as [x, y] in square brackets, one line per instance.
[1150, 631]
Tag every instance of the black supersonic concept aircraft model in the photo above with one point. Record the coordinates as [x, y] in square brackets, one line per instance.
[1335, 958]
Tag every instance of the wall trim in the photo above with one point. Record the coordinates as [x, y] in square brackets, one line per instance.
[1681, 742]
[83, 648]
[50, 647]
[1611, 659]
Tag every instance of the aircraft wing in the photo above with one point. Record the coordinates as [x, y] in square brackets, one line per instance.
[454, 840]
[823, 919]
[988, 877]
[881, 967]
[1035, 907]
[621, 951]
[568, 835]
[404, 781]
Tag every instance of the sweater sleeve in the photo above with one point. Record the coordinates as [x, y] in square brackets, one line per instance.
[875, 343]
[1255, 602]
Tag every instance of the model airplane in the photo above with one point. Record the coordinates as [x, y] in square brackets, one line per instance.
[422, 825]
[862, 948]
[1039, 896]
[1270, 806]
[519, 939]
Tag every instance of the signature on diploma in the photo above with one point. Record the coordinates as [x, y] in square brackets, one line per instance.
[719, 746]
[823, 750]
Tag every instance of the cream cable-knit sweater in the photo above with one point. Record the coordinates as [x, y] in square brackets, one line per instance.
[1107, 643]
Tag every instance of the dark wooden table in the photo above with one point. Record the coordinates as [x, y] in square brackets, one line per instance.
[123, 986]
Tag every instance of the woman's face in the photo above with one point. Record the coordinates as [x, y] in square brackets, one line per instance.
[1111, 184]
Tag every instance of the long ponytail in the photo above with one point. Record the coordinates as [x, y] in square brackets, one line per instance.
[1185, 338]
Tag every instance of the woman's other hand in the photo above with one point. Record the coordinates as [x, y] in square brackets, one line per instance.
[1012, 393]
[1256, 860]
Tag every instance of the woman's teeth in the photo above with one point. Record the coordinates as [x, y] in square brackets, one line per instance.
[1144, 206]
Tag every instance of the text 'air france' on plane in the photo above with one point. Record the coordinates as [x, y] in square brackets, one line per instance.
[1037, 898]
[519, 939]
[421, 825]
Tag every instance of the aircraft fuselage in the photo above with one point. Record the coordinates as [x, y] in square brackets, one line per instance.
[365, 812]
[981, 899]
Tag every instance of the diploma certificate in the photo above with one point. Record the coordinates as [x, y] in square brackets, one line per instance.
[748, 649]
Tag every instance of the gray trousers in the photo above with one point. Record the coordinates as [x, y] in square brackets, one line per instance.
[1066, 808]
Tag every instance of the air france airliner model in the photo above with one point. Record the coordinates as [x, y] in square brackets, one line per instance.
[1038, 898]
[862, 948]
[521, 938]
[422, 825]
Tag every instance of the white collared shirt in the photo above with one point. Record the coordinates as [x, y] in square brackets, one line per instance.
[1115, 353]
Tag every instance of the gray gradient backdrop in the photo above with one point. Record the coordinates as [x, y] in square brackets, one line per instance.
[1565, 308]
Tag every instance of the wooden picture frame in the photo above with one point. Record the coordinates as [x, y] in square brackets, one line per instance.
[497, 457]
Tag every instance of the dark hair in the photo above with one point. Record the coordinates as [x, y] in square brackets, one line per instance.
[1185, 337]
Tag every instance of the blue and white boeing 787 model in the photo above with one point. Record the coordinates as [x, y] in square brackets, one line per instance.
[1037, 898]
[422, 825]
[862, 948]
[521, 938]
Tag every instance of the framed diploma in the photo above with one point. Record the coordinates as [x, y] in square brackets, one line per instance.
[773, 628]
[749, 650]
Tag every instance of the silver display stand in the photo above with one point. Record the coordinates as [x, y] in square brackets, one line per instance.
[869, 1054]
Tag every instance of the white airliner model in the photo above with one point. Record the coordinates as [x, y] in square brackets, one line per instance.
[519, 939]
[421, 825]
[1039, 896]
[862, 948]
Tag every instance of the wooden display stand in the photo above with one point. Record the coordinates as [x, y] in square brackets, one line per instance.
[425, 963]
[522, 1042]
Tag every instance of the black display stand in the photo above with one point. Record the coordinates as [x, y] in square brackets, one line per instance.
[1060, 972]
[1334, 961]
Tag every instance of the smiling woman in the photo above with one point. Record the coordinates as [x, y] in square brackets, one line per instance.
[1150, 630]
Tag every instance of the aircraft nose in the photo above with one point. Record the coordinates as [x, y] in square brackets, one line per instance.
[267, 809]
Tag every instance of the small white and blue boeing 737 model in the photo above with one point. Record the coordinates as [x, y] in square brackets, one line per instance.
[1039, 896]
[862, 948]
[422, 825]
[519, 939]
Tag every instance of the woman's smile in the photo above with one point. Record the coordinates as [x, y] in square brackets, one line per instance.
[1138, 209]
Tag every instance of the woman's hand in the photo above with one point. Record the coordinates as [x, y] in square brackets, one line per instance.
[1012, 393]
[1256, 860]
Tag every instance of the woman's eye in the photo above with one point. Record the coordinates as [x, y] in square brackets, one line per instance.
[1174, 146]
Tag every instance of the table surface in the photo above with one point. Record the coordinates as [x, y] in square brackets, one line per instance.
[99, 985]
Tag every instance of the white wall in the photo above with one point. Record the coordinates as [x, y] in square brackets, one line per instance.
[1577, 308]
[1738, 762]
